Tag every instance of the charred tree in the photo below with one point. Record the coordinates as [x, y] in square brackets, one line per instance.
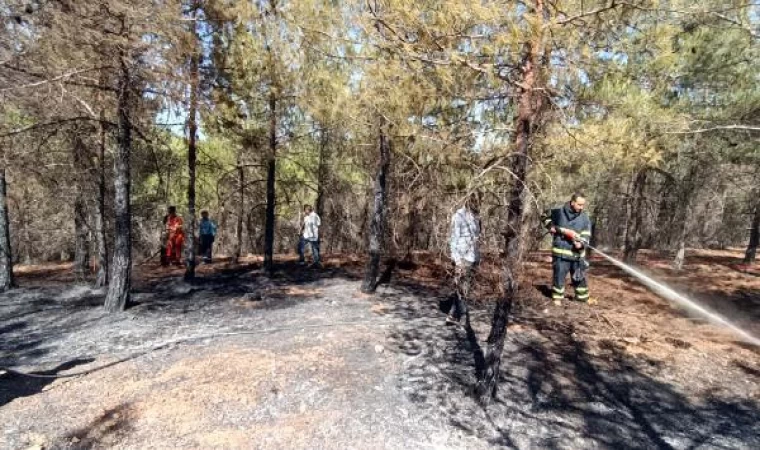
[379, 213]
[688, 187]
[6, 257]
[754, 237]
[101, 277]
[271, 174]
[121, 266]
[240, 211]
[635, 217]
[81, 231]
[529, 108]
[192, 126]
[323, 171]
[681, 246]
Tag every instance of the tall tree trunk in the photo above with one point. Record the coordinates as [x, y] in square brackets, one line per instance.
[529, 109]
[323, 172]
[411, 229]
[683, 220]
[681, 251]
[636, 216]
[594, 241]
[101, 279]
[6, 256]
[222, 235]
[25, 222]
[121, 266]
[192, 125]
[687, 187]
[378, 219]
[669, 230]
[271, 173]
[81, 232]
[240, 211]
[754, 237]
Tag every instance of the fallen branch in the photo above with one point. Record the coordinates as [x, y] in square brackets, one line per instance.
[716, 128]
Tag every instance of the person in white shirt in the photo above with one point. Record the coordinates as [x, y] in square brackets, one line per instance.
[465, 253]
[309, 236]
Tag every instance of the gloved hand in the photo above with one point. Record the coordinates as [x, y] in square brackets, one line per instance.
[569, 234]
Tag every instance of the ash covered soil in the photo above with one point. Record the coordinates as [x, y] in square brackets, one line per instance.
[299, 359]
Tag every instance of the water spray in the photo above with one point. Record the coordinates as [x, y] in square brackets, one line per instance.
[670, 294]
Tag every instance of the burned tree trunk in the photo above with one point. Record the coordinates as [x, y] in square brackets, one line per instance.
[240, 212]
[323, 180]
[6, 257]
[681, 251]
[411, 229]
[754, 238]
[101, 278]
[529, 108]
[81, 240]
[688, 186]
[377, 221]
[323, 172]
[635, 218]
[81, 232]
[121, 266]
[192, 125]
[271, 174]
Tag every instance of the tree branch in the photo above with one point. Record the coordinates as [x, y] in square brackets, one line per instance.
[39, 125]
[611, 5]
[49, 80]
[716, 128]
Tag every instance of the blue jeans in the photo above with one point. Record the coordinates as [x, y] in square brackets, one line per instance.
[302, 243]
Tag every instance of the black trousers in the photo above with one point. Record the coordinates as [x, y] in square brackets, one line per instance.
[561, 267]
[206, 246]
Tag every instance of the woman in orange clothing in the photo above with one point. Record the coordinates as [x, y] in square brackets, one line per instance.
[175, 237]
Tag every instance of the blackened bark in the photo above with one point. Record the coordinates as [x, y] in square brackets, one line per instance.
[81, 232]
[323, 172]
[378, 218]
[101, 278]
[411, 229]
[240, 212]
[636, 217]
[688, 185]
[754, 238]
[192, 125]
[6, 257]
[681, 252]
[121, 266]
[529, 109]
[594, 238]
[271, 173]
[683, 219]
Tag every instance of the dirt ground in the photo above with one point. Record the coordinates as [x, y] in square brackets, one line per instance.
[300, 359]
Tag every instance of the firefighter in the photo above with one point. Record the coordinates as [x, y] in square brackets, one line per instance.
[175, 237]
[571, 231]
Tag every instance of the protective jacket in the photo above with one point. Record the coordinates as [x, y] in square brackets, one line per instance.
[565, 218]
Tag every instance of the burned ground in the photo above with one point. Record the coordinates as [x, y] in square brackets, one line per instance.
[300, 359]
